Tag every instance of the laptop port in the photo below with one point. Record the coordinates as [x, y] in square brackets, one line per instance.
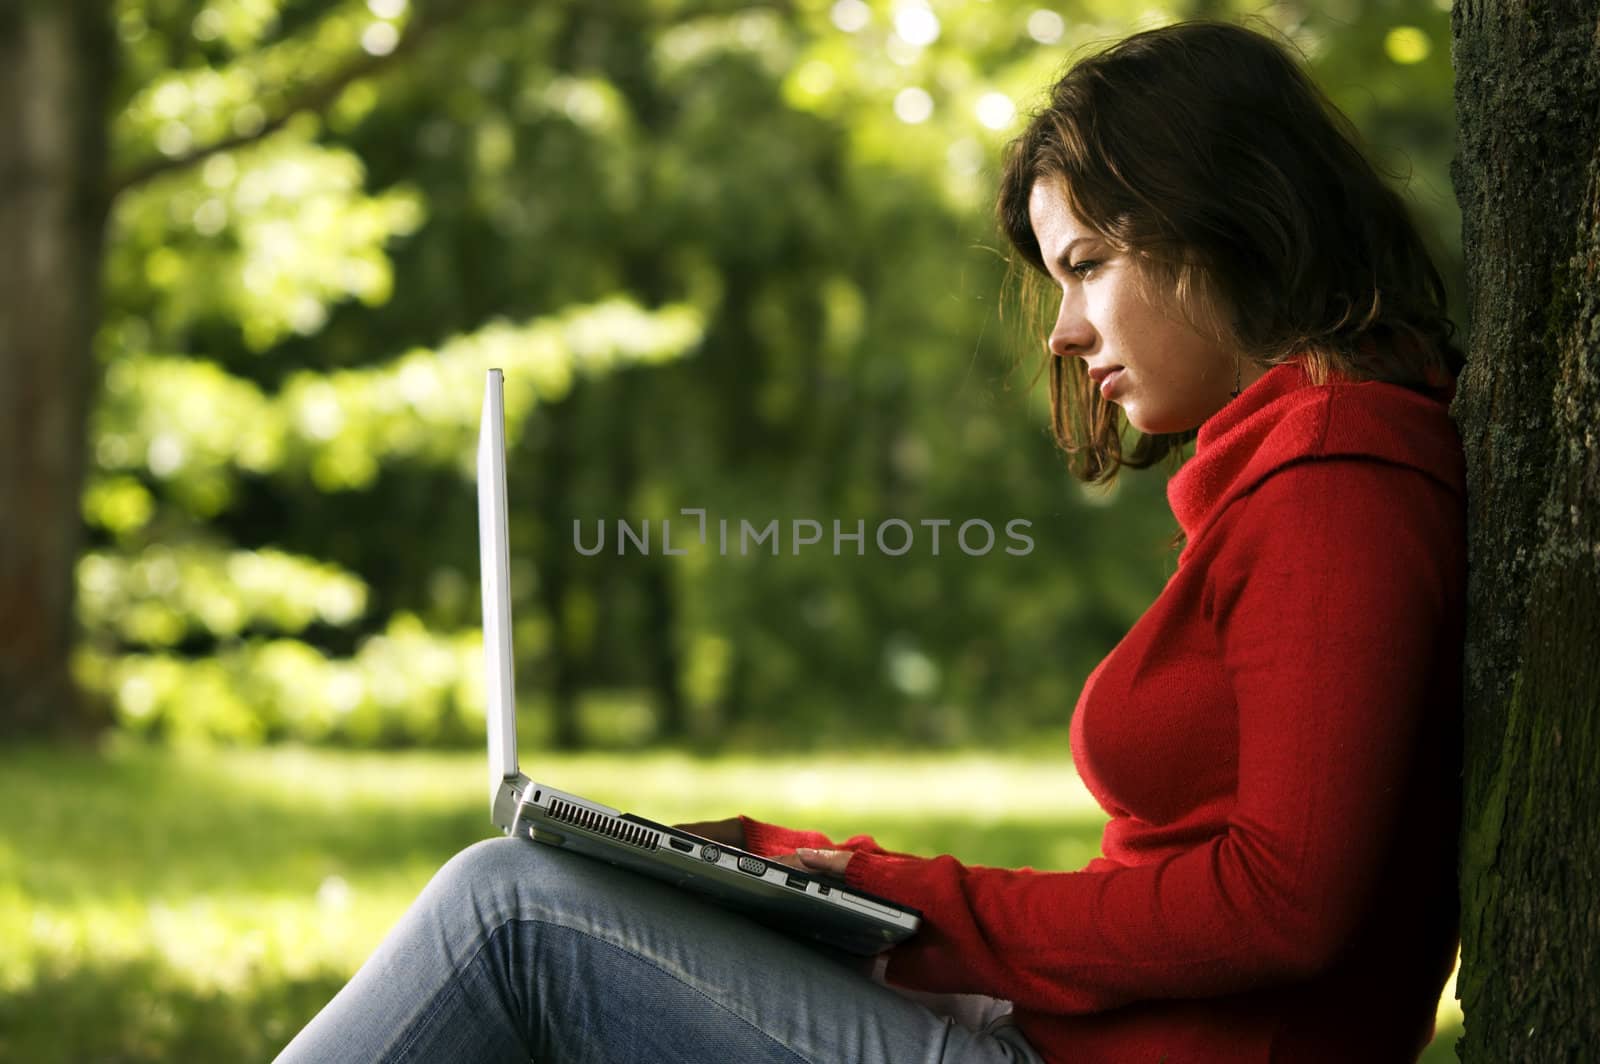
[797, 882]
[680, 844]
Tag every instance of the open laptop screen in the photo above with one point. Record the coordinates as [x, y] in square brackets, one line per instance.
[494, 555]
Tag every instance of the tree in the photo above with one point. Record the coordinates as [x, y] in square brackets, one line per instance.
[89, 123]
[1528, 179]
[55, 73]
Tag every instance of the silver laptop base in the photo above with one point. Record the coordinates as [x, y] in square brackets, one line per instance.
[763, 889]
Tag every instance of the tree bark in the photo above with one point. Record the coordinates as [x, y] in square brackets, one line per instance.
[55, 61]
[1528, 179]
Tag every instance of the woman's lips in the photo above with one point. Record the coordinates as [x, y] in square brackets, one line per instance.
[1108, 381]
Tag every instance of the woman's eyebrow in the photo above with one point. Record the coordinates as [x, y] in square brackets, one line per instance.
[1064, 259]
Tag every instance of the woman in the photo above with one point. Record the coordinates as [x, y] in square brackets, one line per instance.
[1275, 741]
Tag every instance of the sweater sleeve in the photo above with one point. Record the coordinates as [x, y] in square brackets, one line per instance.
[1325, 601]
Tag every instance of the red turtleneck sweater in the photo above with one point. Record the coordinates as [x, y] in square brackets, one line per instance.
[1276, 742]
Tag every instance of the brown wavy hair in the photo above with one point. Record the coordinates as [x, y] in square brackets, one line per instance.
[1204, 150]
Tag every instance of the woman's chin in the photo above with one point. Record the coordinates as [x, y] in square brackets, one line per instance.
[1140, 418]
[1155, 423]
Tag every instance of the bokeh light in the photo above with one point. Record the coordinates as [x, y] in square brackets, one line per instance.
[913, 105]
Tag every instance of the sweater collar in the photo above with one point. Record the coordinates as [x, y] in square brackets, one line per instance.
[1283, 417]
[1227, 440]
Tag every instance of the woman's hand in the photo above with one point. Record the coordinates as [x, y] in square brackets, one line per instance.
[729, 832]
[826, 862]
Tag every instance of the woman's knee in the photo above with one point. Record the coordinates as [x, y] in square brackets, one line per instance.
[481, 872]
[511, 878]
[488, 860]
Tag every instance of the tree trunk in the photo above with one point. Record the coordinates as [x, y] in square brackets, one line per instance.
[55, 61]
[1528, 178]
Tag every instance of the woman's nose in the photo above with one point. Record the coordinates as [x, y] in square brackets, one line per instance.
[1071, 335]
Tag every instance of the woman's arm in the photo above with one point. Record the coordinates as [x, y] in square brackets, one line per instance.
[1327, 603]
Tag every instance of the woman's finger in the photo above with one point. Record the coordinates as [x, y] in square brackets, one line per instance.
[832, 861]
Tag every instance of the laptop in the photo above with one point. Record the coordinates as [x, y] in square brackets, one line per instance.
[801, 903]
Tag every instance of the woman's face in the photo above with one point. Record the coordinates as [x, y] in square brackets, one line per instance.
[1165, 375]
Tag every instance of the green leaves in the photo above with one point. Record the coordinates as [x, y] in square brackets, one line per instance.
[191, 426]
[165, 595]
[404, 685]
[268, 238]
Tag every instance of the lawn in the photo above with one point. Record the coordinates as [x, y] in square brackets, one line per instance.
[169, 906]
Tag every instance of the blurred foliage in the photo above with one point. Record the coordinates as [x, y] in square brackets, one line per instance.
[404, 684]
[162, 596]
[733, 258]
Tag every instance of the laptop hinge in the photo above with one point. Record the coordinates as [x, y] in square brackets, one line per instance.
[507, 800]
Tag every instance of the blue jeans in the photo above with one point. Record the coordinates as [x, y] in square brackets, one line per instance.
[517, 951]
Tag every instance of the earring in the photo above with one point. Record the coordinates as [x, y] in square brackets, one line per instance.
[1236, 376]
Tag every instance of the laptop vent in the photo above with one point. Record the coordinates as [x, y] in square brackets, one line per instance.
[601, 824]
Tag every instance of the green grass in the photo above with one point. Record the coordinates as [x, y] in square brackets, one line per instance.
[167, 906]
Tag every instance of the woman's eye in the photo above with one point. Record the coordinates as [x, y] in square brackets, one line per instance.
[1084, 268]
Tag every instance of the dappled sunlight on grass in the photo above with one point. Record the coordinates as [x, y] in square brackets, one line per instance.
[139, 1011]
[974, 786]
[163, 826]
[222, 943]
